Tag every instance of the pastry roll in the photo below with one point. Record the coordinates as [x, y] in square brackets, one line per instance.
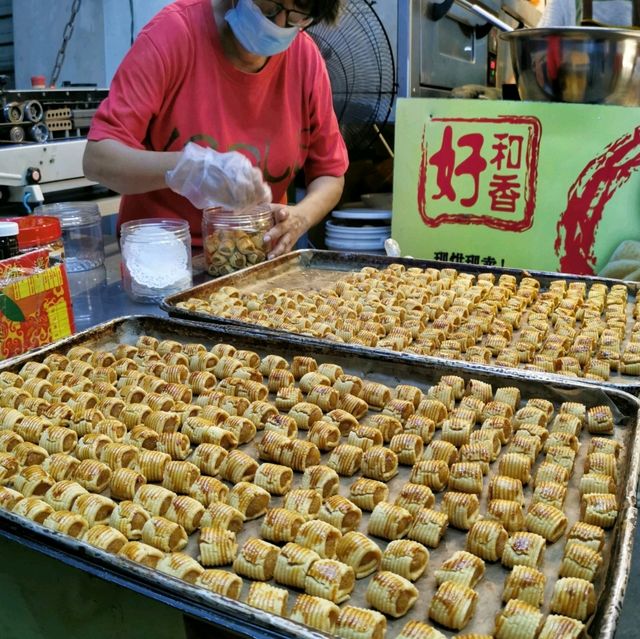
[287, 397]
[181, 566]
[587, 534]
[341, 513]
[551, 472]
[486, 539]
[219, 515]
[96, 509]
[33, 508]
[155, 499]
[237, 467]
[179, 476]
[31, 428]
[386, 424]
[251, 500]
[309, 380]
[360, 552]
[32, 481]
[178, 445]
[293, 564]
[525, 584]
[409, 393]
[274, 478]
[508, 513]
[516, 465]
[91, 446]
[600, 420]
[164, 534]
[379, 463]
[141, 553]
[597, 483]
[456, 431]
[306, 502]
[420, 630]
[315, 612]
[186, 511]
[431, 473]
[9, 439]
[442, 393]
[408, 447]
[342, 419]
[461, 567]
[301, 365]
[547, 521]
[125, 482]
[63, 494]
[599, 509]
[375, 394]
[332, 371]
[413, 497]
[208, 458]
[503, 487]
[129, 518]
[324, 435]
[561, 439]
[348, 384]
[9, 467]
[354, 406]
[208, 490]
[441, 450]
[389, 521]
[466, 477]
[490, 437]
[218, 547]
[530, 415]
[462, 509]
[320, 537]
[117, 455]
[508, 395]
[221, 582]
[366, 493]
[428, 527]
[406, 558]
[453, 605]
[322, 479]
[360, 623]
[433, 409]
[9, 497]
[365, 437]
[281, 525]
[58, 439]
[573, 598]
[518, 620]
[345, 459]
[560, 627]
[305, 414]
[421, 426]
[580, 561]
[550, 493]
[330, 579]
[391, 594]
[105, 538]
[524, 549]
[601, 463]
[566, 423]
[401, 409]
[66, 522]
[259, 412]
[604, 445]
[268, 598]
[528, 445]
[470, 407]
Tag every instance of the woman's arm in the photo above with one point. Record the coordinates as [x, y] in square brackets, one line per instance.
[292, 222]
[126, 170]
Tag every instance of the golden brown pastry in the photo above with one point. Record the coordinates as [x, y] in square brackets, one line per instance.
[359, 623]
[453, 605]
[221, 582]
[547, 521]
[315, 612]
[573, 598]
[293, 564]
[360, 552]
[461, 567]
[486, 539]
[391, 594]
[518, 619]
[428, 527]
[560, 627]
[526, 584]
[524, 549]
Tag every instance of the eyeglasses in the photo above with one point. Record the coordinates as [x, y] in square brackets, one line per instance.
[293, 17]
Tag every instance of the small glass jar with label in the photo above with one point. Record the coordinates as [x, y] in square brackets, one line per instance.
[8, 239]
[235, 239]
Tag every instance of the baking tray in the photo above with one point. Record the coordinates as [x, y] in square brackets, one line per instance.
[247, 621]
[312, 270]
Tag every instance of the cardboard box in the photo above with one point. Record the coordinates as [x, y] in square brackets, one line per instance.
[537, 185]
[35, 303]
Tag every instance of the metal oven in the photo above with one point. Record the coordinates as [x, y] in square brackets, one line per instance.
[442, 45]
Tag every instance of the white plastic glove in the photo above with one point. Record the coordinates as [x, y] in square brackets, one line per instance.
[208, 178]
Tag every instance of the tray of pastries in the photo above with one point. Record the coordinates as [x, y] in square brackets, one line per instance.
[546, 324]
[303, 491]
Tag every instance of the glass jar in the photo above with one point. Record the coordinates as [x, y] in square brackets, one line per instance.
[235, 239]
[8, 239]
[156, 258]
[81, 233]
[40, 232]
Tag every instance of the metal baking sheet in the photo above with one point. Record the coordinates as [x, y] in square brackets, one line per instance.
[610, 585]
[312, 270]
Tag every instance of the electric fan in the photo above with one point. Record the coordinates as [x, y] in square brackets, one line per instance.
[361, 68]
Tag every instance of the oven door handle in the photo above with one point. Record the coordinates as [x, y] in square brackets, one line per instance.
[439, 10]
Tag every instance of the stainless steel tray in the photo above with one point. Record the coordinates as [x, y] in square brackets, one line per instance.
[312, 270]
[250, 622]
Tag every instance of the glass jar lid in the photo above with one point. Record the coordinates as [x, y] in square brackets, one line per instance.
[241, 218]
[37, 230]
[71, 214]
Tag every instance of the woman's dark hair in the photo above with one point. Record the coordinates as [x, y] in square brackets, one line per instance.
[326, 10]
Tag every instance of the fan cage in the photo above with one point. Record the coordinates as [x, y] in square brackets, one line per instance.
[361, 68]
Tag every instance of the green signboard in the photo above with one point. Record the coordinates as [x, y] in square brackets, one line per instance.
[519, 184]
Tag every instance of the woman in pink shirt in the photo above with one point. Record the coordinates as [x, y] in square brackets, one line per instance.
[222, 102]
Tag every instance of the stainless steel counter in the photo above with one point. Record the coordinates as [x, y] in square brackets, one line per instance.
[98, 296]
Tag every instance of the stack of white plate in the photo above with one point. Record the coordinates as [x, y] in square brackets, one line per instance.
[358, 230]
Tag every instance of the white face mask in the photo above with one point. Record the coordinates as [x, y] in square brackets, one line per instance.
[256, 33]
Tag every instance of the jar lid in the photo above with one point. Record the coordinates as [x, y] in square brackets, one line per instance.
[9, 229]
[249, 215]
[71, 214]
[37, 230]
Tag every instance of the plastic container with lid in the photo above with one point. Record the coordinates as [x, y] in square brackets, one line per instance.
[156, 258]
[81, 233]
[235, 239]
[40, 232]
[8, 239]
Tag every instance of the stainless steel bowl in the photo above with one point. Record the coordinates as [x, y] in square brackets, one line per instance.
[592, 65]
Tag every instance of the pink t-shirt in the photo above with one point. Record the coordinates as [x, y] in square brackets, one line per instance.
[175, 85]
